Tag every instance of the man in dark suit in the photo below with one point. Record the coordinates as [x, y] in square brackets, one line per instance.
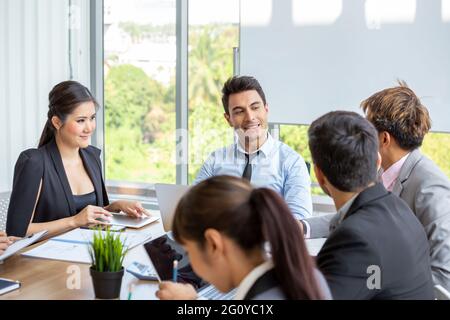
[377, 248]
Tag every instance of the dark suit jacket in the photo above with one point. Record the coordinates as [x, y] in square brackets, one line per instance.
[378, 230]
[56, 198]
[266, 288]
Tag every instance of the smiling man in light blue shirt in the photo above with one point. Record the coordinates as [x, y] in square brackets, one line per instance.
[255, 155]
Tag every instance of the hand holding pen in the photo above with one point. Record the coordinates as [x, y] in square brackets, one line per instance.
[175, 271]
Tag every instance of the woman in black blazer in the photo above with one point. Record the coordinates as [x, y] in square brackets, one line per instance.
[224, 225]
[59, 186]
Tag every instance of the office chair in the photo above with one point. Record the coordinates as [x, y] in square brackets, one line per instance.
[4, 203]
[440, 293]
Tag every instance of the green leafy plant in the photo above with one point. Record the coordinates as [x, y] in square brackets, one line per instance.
[107, 251]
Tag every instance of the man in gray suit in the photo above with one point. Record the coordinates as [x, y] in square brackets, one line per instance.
[402, 122]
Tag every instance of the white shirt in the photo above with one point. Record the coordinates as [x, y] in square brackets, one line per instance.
[250, 279]
[342, 212]
[335, 221]
[276, 166]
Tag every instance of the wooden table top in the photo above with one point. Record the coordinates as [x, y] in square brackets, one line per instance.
[44, 279]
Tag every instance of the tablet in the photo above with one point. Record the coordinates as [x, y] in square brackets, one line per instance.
[162, 252]
[120, 219]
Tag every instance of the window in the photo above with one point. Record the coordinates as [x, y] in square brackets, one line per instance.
[434, 146]
[296, 137]
[139, 82]
[213, 32]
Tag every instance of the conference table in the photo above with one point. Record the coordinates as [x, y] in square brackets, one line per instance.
[44, 279]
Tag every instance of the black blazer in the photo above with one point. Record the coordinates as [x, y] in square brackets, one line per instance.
[379, 229]
[56, 198]
[268, 281]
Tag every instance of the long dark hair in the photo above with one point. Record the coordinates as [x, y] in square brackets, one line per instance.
[250, 217]
[63, 100]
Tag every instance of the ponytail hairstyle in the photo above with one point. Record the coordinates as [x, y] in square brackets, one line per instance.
[250, 217]
[64, 98]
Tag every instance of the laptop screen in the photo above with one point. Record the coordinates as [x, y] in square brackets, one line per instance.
[168, 197]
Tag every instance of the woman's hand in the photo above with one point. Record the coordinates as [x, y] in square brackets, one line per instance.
[90, 216]
[176, 291]
[5, 242]
[131, 208]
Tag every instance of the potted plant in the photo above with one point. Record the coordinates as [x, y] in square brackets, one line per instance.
[107, 253]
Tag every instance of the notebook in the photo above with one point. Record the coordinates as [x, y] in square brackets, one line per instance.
[22, 243]
[8, 285]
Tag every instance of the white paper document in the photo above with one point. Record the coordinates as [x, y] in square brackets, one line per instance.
[22, 243]
[73, 246]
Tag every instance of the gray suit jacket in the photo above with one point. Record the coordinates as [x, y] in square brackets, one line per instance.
[426, 190]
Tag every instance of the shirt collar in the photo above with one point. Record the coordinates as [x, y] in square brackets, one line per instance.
[342, 212]
[391, 174]
[250, 279]
[266, 148]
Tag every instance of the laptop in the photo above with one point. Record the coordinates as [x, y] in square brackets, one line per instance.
[168, 196]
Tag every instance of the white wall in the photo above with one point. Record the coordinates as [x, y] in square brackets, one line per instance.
[314, 56]
[34, 56]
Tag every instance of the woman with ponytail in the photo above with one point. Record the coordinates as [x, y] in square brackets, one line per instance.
[59, 186]
[224, 225]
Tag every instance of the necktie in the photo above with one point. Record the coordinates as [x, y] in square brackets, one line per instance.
[248, 168]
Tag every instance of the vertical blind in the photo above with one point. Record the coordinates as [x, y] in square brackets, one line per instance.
[43, 42]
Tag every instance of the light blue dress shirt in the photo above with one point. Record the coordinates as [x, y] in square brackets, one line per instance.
[275, 166]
